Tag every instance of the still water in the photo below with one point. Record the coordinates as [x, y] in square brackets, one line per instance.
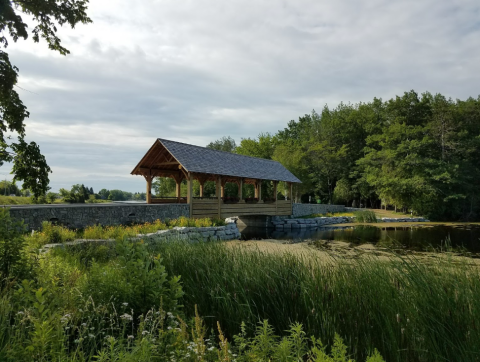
[419, 237]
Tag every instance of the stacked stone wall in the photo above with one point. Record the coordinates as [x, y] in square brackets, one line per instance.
[192, 234]
[82, 215]
[309, 209]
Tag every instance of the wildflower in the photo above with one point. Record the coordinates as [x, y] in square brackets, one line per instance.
[91, 335]
[126, 316]
[67, 328]
[145, 332]
[124, 304]
[169, 327]
[211, 348]
[130, 337]
[84, 324]
[20, 313]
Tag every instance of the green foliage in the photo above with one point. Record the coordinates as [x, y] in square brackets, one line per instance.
[77, 195]
[8, 188]
[29, 165]
[14, 200]
[263, 147]
[13, 261]
[136, 277]
[416, 153]
[365, 216]
[226, 144]
[51, 197]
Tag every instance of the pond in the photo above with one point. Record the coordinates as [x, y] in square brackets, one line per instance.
[420, 237]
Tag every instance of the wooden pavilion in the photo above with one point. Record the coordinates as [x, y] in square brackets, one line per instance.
[188, 162]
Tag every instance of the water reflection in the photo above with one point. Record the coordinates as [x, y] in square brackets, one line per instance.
[417, 237]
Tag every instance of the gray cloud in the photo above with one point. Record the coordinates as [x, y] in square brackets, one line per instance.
[198, 70]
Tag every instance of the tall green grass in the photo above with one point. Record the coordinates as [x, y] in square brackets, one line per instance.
[51, 233]
[365, 216]
[408, 310]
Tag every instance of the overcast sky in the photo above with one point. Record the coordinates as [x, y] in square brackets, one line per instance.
[194, 71]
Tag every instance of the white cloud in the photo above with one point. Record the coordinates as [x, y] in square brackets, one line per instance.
[195, 71]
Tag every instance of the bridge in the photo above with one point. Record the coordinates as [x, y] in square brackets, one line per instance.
[182, 161]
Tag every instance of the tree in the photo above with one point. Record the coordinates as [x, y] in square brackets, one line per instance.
[104, 193]
[29, 165]
[226, 144]
[9, 188]
[77, 195]
[263, 147]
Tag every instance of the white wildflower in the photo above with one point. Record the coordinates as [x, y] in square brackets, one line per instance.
[126, 317]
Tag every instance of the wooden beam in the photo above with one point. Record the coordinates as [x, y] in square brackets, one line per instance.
[166, 163]
[156, 171]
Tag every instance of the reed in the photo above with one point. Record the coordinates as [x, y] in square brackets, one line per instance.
[365, 216]
[408, 310]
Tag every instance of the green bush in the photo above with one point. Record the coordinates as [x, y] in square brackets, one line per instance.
[13, 261]
[136, 277]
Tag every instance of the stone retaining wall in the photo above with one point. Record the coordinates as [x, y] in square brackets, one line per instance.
[193, 234]
[82, 215]
[309, 209]
[287, 224]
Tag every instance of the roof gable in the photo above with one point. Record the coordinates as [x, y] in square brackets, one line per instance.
[204, 160]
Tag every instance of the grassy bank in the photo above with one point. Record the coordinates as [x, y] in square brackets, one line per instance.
[58, 234]
[119, 303]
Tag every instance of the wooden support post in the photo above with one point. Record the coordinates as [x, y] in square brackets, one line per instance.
[190, 192]
[218, 186]
[149, 188]
[240, 189]
[178, 190]
[290, 196]
[201, 189]
[223, 187]
[275, 183]
[259, 190]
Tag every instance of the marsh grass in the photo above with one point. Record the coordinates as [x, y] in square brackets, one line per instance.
[328, 214]
[408, 310]
[365, 216]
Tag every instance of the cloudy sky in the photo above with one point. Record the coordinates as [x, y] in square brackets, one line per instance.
[197, 70]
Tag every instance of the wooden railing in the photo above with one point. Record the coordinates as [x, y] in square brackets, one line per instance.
[169, 200]
[212, 207]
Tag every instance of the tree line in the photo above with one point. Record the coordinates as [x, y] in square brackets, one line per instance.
[417, 153]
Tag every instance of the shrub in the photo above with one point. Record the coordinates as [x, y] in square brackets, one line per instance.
[56, 233]
[13, 261]
[136, 277]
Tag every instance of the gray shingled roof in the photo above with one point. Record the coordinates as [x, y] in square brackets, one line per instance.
[204, 160]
